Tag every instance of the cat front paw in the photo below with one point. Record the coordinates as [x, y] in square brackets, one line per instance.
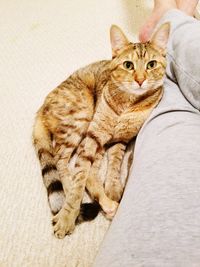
[63, 223]
[109, 207]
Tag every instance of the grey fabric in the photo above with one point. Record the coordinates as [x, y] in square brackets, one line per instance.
[158, 221]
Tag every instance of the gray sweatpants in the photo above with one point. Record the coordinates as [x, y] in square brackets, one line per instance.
[158, 221]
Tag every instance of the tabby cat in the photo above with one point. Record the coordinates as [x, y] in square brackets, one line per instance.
[100, 107]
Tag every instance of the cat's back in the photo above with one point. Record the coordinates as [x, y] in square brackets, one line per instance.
[84, 83]
[78, 94]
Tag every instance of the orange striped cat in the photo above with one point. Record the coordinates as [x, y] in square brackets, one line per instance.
[98, 108]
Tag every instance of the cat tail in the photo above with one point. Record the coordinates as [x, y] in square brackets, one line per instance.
[88, 212]
[56, 196]
[44, 150]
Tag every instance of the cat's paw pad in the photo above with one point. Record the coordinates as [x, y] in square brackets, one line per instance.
[63, 225]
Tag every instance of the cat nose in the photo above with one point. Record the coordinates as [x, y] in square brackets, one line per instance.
[139, 78]
[140, 81]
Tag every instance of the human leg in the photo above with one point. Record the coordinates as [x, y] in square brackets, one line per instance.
[183, 54]
[157, 223]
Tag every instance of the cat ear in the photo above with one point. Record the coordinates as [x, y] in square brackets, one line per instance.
[160, 37]
[118, 40]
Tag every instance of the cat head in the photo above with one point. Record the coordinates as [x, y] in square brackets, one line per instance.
[139, 67]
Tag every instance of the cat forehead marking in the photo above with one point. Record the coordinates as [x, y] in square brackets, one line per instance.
[140, 49]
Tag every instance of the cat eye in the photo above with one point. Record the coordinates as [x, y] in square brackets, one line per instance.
[152, 64]
[128, 65]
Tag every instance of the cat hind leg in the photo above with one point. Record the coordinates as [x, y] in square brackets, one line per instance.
[96, 190]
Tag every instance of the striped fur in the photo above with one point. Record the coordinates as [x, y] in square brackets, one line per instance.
[98, 109]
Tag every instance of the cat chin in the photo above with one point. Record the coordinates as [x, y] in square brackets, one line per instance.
[142, 90]
[135, 91]
[139, 91]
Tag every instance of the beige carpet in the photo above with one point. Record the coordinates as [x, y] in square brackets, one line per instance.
[41, 43]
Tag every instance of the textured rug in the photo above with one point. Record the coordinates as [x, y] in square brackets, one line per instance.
[42, 42]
